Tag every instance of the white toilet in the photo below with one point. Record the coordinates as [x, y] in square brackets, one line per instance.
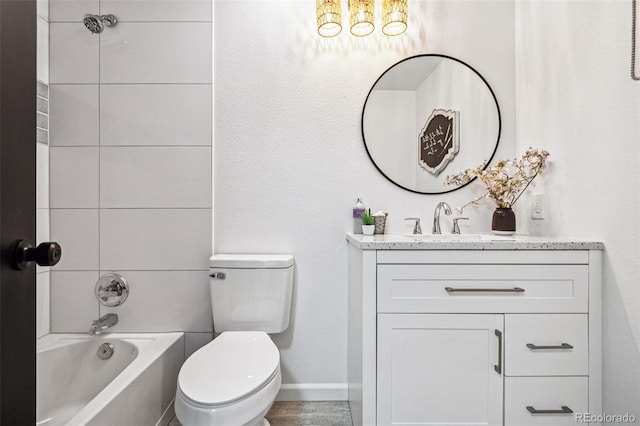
[233, 380]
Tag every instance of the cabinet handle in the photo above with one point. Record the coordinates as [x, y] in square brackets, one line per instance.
[484, 290]
[498, 367]
[562, 346]
[563, 410]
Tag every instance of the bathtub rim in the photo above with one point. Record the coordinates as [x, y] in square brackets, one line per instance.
[155, 345]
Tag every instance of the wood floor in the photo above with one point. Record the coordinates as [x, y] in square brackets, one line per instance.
[310, 413]
[329, 413]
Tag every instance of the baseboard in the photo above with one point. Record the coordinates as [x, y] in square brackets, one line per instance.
[313, 392]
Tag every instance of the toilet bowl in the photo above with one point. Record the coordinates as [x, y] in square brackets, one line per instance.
[234, 380]
[231, 381]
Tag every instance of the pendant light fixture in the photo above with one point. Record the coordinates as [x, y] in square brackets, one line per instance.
[329, 17]
[394, 17]
[362, 13]
[361, 17]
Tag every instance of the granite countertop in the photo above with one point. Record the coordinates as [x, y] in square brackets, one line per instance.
[467, 242]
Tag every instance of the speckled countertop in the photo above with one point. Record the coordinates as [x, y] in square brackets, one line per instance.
[467, 242]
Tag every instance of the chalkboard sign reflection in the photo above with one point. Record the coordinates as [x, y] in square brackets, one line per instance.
[439, 140]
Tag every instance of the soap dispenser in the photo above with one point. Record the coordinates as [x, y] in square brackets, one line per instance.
[358, 211]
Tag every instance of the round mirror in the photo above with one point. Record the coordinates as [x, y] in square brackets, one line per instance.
[427, 117]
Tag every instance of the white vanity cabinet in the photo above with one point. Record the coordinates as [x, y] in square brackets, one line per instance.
[496, 335]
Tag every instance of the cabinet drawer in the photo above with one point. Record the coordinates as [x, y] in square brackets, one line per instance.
[546, 345]
[482, 288]
[526, 394]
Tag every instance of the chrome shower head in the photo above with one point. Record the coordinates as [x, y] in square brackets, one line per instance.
[96, 23]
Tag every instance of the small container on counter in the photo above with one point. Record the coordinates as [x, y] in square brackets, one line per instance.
[380, 221]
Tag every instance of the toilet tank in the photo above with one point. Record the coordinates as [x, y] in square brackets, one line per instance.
[251, 292]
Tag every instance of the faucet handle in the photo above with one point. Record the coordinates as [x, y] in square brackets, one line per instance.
[112, 289]
[456, 228]
[416, 228]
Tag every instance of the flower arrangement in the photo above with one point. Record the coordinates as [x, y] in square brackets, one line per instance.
[506, 181]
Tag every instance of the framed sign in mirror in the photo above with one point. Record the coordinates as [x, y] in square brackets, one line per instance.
[429, 116]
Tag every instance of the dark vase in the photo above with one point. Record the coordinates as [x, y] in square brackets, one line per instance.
[504, 221]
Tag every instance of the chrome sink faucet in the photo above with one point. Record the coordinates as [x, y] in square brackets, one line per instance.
[103, 323]
[416, 229]
[436, 216]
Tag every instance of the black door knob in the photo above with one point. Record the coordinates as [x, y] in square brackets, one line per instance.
[46, 254]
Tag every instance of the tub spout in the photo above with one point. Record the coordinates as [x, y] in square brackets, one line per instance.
[103, 323]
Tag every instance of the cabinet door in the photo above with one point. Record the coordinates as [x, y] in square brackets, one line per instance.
[439, 369]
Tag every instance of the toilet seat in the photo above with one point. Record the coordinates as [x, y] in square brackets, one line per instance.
[230, 368]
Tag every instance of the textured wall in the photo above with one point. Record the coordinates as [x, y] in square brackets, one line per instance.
[289, 157]
[576, 99]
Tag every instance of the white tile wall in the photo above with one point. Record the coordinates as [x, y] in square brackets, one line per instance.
[42, 176]
[74, 115]
[73, 303]
[164, 301]
[72, 10]
[42, 9]
[156, 53]
[42, 228]
[130, 120]
[42, 63]
[155, 114]
[155, 239]
[43, 294]
[43, 323]
[73, 54]
[158, 10]
[74, 177]
[76, 230]
[174, 177]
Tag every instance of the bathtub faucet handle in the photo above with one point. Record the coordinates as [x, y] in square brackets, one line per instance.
[112, 290]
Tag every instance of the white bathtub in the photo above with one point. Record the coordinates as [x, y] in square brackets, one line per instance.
[135, 387]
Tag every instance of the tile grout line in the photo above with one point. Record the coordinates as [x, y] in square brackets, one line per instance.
[99, 151]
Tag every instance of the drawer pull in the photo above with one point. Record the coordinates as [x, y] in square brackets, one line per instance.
[484, 290]
[563, 410]
[498, 367]
[562, 346]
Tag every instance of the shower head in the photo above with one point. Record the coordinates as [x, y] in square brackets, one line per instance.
[96, 23]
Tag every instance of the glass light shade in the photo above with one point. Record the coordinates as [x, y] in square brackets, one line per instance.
[394, 17]
[362, 15]
[329, 17]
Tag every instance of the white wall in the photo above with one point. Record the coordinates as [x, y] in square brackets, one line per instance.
[289, 156]
[576, 99]
[130, 164]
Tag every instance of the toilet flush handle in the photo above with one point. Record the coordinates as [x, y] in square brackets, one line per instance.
[218, 275]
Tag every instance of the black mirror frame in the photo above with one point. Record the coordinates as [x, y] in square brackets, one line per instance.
[495, 99]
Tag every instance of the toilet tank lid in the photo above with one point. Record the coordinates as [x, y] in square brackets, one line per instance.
[251, 261]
